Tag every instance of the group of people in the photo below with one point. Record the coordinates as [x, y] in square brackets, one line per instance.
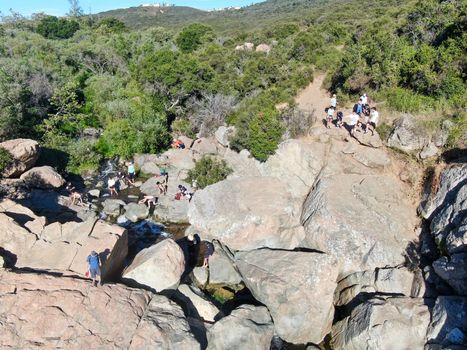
[128, 179]
[363, 117]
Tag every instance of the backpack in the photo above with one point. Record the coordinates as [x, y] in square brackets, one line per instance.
[178, 195]
[355, 106]
[326, 109]
[340, 115]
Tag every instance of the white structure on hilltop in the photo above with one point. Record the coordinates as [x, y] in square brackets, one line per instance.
[163, 4]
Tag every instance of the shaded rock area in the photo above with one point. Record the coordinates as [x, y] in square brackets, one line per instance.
[196, 304]
[383, 323]
[24, 152]
[158, 267]
[296, 287]
[60, 247]
[50, 312]
[247, 327]
[43, 177]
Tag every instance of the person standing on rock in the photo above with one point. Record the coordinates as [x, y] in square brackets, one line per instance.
[374, 118]
[354, 118]
[131, 173]
[94, 267]
[330, 117]
[112, 185]
[334, 101]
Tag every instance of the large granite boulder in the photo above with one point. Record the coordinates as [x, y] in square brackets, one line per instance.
[113, 207]
[136, 212]
[61, 247]
[407, 136]
[158, 267]
[204, 146]
[40, 310]
[221, 269]
[297, 163]
[24, 152]
[43, 177]
[296, 287]
[163, 326]
[247, 327]
[382, 281]
[247, 213]
[365, 221]
[384, 324]
[448, 326]
[242, 164]
[453, 270]
[196, 303]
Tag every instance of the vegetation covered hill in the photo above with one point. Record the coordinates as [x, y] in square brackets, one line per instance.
[59, 77]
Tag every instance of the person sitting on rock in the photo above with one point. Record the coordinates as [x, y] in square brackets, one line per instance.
[112, 185]
[162, 186]
[176, 143]
[94, 268]
[75, 196]
[148, 200]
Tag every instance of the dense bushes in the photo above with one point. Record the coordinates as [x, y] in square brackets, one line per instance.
[5, 158]
[193, 36]
[52, 27]
[208, 171]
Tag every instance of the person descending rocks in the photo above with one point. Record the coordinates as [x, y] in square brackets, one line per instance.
[162, 187]
[148, 200]
[340, 117]
[329, 117]
[374, 119]
[353, 123]
[131, 173]
[358, 108]
[208, 251]
[94, 270]
[75, 196]
[333, 103]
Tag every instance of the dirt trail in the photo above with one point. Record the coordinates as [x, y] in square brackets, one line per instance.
[314, 96]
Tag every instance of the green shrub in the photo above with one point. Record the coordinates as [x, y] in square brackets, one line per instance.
[182, 127]
[384, 130]
[83, 157]
[112, 25]
[5, 158]
[52, 27]
[192, 36]
[208, 171]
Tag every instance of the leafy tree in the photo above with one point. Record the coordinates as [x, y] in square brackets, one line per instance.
[193, 36]
[112, 25]
[52, 27]
[208, 171]
[5, 158]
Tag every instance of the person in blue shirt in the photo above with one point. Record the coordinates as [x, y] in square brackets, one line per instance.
[131, 173]
[94, 267]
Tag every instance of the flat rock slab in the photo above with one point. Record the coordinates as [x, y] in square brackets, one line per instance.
[296, 287]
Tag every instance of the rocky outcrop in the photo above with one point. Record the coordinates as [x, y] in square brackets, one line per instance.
[380, 281]
[158, 267]
[52, 312]
[362, 220]
[453, 270]
[24, 152]
[247, 213]
[296, 287]
[223, 135]
[113, 207]
[204, 146]
[196, 304]
[221, 270]
[407, 136]
[43, 177]
[136, 212]
[60, 247]
[448, 326]
[242, 164]
[247, 327]
[263, 48]
[383, 323]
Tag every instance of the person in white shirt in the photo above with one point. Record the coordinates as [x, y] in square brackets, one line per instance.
[329, 117]
[374, 119]
[334, 101]
[353, 122]
[364, 99]
[112, 185]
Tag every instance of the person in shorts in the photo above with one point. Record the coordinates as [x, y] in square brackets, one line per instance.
[353, 123]
[131, 173]
[374, 119]
[94, 270]
[112, 185]
[329, 117]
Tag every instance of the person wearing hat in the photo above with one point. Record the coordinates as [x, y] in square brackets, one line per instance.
[334, 101]
[94, 267]
[364, 99]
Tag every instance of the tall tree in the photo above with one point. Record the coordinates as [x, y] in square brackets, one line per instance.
[75, 9]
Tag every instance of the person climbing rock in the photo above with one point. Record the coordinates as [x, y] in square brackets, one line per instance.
[112, 186]
[208, 251]
[148, 200]
[193, 249]
[353, 123]
[329, 117]
[94, 268]
[374, 119]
